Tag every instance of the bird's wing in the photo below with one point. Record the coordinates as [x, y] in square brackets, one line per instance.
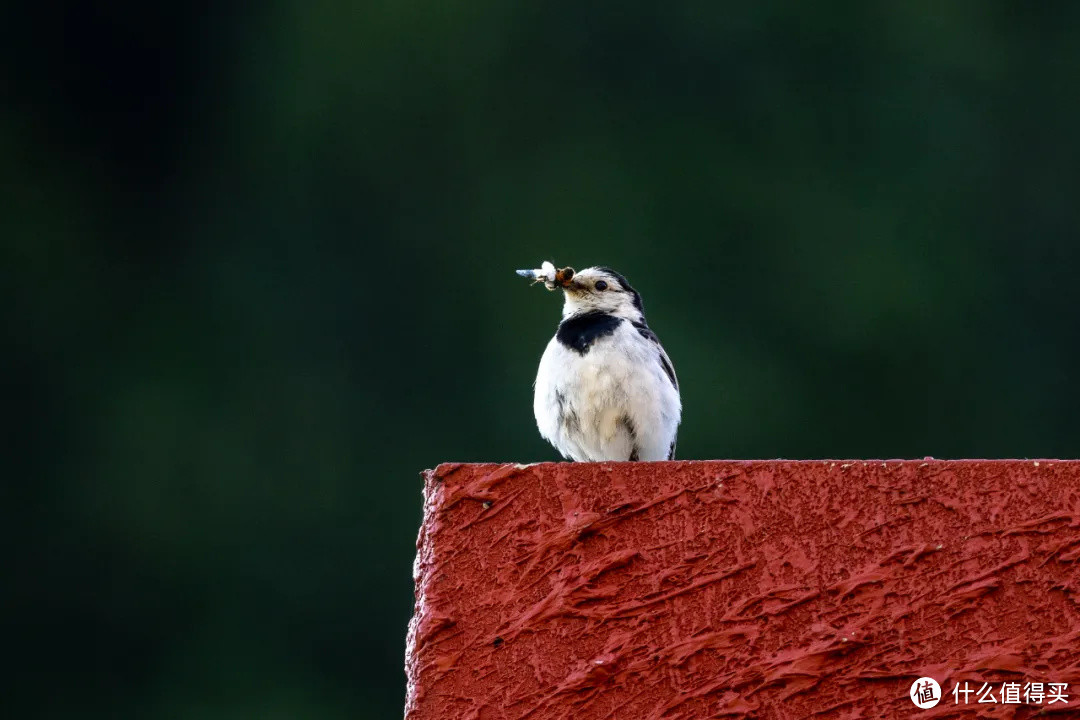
[665, 362]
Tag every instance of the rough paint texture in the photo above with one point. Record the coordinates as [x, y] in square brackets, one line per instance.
[742, 589]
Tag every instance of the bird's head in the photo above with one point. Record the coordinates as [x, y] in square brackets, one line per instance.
[601, 289]
[594, 289]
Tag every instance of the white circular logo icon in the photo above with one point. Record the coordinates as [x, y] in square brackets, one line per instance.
[925, 693]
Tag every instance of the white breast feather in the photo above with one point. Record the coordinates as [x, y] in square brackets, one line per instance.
[620, 378]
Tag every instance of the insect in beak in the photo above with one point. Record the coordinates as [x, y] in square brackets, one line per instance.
[548, 275]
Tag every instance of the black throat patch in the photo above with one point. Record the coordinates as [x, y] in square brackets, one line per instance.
[580, 331]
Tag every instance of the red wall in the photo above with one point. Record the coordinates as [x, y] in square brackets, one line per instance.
[742, 589]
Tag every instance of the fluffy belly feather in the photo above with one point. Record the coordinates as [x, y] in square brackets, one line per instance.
[612, 403]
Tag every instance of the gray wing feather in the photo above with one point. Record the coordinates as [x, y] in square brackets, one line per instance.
[665, 362]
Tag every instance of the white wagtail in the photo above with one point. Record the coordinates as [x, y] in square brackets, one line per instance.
[605, 390]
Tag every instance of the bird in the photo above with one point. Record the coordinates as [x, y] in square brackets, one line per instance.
[606, 389]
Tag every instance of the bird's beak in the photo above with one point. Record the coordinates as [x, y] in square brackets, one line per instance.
[563, 276]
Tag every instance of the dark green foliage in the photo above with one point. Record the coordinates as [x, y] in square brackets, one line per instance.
[258, 272]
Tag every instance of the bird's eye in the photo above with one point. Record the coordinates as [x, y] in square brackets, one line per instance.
[601, 285]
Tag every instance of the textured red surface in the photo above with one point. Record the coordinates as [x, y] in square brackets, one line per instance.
[743, 589]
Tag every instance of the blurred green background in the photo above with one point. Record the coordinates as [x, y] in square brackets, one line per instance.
[258, 273]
